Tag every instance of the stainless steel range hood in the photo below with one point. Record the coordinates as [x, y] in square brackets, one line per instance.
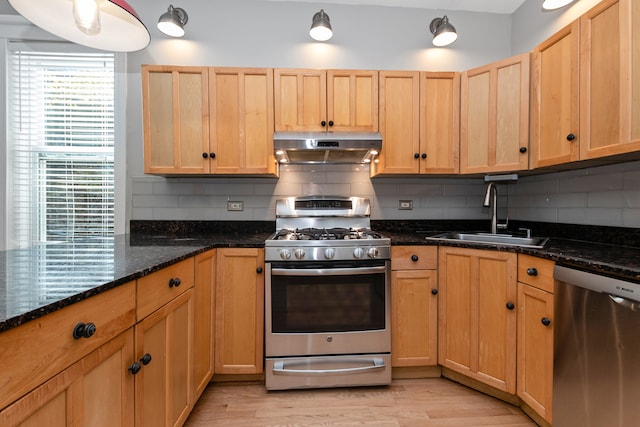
[326, 147]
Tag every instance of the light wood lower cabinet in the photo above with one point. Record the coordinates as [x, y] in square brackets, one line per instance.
[414, 306]
[239, 311]
[204, 301]
[535, 334]
[477, 316]
[96, 391]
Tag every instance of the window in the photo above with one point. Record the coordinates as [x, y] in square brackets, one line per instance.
[60, 144]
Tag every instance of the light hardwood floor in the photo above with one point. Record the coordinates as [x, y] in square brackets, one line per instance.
[420, 402]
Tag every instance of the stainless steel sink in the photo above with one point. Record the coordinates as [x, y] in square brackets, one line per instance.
[493, 239]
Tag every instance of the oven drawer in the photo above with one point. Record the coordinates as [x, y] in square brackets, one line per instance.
[327, 371]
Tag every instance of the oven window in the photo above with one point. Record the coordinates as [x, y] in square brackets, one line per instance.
[307, 304]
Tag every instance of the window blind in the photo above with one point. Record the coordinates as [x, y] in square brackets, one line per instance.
[61, 144]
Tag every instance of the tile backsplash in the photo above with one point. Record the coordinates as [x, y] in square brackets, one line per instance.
[606, 195]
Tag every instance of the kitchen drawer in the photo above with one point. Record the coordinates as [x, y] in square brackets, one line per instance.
[157, 289]
[536, 272]
[404, 257]
[34, 352]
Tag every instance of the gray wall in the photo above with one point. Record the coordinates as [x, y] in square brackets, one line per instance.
[247, 33]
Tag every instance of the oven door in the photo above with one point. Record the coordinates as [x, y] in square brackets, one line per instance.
[327, 308]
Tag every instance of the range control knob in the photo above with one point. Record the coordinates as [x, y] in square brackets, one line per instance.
[329, 253]
[299, 253]
[373, 252]
[358, 252]
[285, 254]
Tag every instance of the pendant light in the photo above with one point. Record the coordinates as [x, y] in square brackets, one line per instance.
[172, 22]
[321, 27]
[111, 25]
[443, 32]
[555, 4]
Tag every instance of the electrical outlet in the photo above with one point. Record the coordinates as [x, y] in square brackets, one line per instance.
[235, 206]
[405, 204]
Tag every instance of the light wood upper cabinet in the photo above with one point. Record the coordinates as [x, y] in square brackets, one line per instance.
[414, 306]
[587, 87]
[419, 122]
[239, 312]
[326, 100]
[439, 123]
[477, 316]
[610, 79]
[399, 123]
[241, 125]
[175, 119]
[494, 131]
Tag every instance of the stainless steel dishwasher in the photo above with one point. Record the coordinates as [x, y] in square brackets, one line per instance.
[596, 373]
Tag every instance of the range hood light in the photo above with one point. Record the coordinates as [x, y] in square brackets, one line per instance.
[327, 147]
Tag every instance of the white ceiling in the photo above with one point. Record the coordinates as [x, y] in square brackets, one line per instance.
[491, 6]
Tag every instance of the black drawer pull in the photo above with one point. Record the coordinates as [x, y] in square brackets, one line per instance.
[146, 359]
[134, 368]
[259, 270]
[174, 282]
[434, 291]
[545, 321]
[532, 271]
[510, 305]
[84, 330]
[414, 258]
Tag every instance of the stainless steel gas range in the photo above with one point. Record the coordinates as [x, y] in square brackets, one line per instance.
[327, 307]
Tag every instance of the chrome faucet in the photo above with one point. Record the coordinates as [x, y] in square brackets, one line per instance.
[491, 199]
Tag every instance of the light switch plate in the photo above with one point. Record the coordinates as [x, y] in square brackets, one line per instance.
[235, 205]
[405, 204]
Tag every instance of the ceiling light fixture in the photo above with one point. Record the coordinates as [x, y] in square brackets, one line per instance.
[555, 4]
[443, 32]
[321, 27]
[111, 25]
[172, 22]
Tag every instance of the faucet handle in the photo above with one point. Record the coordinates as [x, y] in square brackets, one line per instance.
[528, 230]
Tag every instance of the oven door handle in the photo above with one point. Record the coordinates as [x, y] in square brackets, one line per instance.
[279, 369]
[327, 271]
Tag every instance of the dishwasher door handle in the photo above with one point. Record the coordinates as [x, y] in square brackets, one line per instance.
[631, 305]
[279, 369]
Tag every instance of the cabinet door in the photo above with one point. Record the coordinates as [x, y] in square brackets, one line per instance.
[175, 119]
[477, 316]
[163, 385]
[399, 123]
[239, 313]
[414, 316]
[494, 132]
[241, 132]
[555, 118]
[609, 68]
[352, 100]
[204, 303]
[300, 99]
[535, 349]
[439, 123]
[95, 391]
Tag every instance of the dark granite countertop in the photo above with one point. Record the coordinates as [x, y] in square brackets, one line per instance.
[42, 279]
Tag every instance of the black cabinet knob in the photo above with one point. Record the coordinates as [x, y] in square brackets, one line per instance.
[545, 321]
[146, 359]
[205, 155]
[134, 368]
[510, 305]
[84, 330]
[532, 271]
[424, 155]
[259, 270]
[416, 155]
[175, 282]
[414, 258]
[323, 123]
[212, 155]
[571, 137]
[330, 122]
[523, 149]
[434, 291]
